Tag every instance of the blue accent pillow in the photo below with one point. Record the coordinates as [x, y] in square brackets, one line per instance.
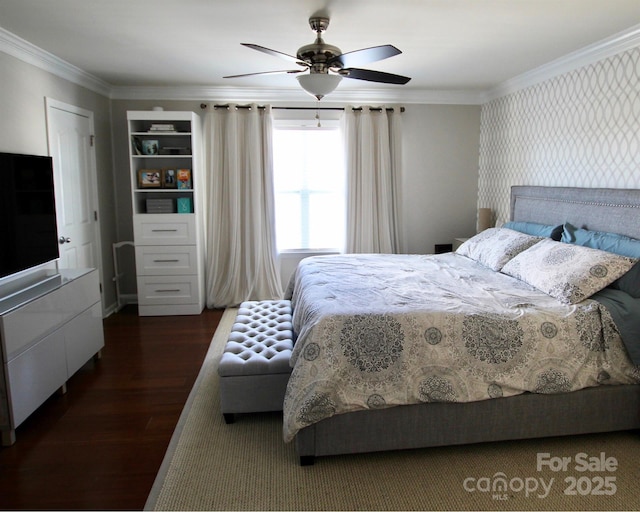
[610, 242]
[535, 229]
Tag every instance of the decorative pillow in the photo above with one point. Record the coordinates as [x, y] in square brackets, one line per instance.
[535, 229]
[610, 242]
[570, 273]
[493, 247]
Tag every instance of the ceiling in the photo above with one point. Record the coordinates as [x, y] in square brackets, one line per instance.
[447, 45]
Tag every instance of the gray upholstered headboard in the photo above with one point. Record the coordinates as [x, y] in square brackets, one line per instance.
[599, 209]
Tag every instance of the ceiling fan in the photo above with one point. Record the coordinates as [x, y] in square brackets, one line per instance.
[327, 65]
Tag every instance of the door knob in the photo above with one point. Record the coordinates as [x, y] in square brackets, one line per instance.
[63, 240]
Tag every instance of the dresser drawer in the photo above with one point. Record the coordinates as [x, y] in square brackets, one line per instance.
[178, 229]
[79, 294]
[83, 338]
[166, 260]
[159, 290]
[26, 325]
[35, 374]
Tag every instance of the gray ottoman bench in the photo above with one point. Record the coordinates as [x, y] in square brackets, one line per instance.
[254, 368]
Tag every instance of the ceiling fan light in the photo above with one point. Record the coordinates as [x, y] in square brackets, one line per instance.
[319, 84]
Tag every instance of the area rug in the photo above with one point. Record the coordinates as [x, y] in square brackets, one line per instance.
[246, 466]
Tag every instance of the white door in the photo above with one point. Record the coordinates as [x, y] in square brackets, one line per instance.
[70, 145]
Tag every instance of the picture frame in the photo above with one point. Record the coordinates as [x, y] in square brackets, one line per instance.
[184, 179]
[150, 147]
[149, 178]
[169, 178]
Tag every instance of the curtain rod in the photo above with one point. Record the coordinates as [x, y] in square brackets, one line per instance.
[357, 109]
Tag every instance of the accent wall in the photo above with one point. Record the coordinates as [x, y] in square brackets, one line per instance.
[579, 129]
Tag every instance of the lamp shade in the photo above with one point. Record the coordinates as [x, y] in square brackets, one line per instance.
[485, 219]
[319, 84]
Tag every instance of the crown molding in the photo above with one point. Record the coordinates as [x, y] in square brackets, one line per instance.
[606, 48]
[31, 54]
[294, 95]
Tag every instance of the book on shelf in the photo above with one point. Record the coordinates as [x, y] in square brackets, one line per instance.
[156, 127]
[184, 205]
[175, 151]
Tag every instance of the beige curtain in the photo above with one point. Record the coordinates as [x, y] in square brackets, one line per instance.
[373, 153]
[241, 254]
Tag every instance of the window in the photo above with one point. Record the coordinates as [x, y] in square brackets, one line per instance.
[309, 186]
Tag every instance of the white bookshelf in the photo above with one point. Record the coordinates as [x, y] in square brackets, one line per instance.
[167, 211]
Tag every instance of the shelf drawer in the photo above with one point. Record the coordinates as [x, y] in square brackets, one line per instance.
[156, 290]
[165, 229]
[166, 260]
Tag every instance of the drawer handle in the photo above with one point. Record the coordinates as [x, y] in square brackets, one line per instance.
[166, 261]
[167, 291]
[164, 230]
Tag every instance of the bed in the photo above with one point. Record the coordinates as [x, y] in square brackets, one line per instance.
[480, 392]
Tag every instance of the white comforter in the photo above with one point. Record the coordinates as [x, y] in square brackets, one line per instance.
[381, 330]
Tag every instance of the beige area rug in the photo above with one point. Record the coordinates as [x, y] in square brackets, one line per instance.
[247, 466]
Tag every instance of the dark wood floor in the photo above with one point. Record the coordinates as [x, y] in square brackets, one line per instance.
[100, 445]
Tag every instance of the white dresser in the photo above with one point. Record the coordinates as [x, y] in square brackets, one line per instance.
[47, 333]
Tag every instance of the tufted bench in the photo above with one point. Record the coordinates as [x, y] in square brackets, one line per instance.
[254, 368]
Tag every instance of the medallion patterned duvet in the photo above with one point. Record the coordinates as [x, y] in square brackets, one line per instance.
[376, 331]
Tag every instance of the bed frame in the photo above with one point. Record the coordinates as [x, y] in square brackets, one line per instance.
[601, 409]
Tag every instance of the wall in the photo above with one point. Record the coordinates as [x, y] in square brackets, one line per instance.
[440, 156]
[439, 193]
[23, 129]
[579, 129]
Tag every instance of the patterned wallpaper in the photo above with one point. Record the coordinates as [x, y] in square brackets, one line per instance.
[579, 129]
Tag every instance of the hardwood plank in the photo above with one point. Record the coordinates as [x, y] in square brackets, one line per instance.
[100, 445]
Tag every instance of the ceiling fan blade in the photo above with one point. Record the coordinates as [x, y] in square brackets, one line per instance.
[374, 76]
[291, 71]
[364, 56]
[275, 53]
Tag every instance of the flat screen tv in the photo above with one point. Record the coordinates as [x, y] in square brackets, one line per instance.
[28, 229]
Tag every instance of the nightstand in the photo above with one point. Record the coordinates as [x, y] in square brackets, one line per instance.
[457, 242]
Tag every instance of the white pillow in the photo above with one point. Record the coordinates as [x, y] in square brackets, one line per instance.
[570, 273]
[493, 247]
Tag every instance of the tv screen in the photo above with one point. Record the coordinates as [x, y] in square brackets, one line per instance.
[28, 228]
